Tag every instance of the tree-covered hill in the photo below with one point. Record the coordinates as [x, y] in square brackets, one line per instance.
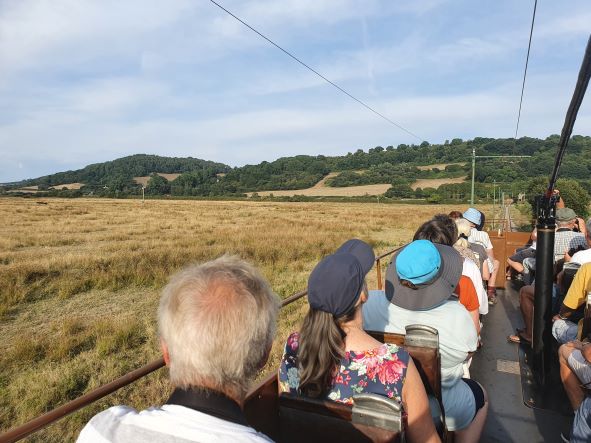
[117, 175]
[395, 165]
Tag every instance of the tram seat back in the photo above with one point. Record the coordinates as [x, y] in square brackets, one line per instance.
[569, 271]
[373, 418]
[422, 343]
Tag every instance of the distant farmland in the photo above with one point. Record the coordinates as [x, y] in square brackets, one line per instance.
[435, 182]
[144, 180]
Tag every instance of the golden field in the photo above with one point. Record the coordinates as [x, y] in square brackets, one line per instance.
[80, 281]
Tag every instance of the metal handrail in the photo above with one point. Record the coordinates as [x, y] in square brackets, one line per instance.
[46, 419]
[60, 412]
[379, 267]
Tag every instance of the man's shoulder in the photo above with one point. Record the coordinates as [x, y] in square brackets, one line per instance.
[582, 257]
[119, 423]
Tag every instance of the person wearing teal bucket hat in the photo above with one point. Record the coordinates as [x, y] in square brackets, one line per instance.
[420, 281]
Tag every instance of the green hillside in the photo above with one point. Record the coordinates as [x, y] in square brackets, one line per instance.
[398, 166]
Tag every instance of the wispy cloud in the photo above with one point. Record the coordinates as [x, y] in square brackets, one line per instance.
[85, 81]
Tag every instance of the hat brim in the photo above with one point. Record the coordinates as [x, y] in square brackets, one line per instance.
[429, 295]
[475, 222]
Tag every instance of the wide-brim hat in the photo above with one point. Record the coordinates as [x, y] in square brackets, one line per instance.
[432, 293]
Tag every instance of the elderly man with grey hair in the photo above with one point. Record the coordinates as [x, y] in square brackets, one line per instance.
[566, 238]
[216, 323]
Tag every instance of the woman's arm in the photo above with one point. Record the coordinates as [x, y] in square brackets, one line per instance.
[420, 423]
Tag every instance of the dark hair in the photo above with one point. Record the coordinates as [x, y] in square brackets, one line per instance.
[482, 219]
[321, 348]
[440, 229]
[455, 215]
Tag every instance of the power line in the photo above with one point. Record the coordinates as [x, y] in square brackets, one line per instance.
[316, 72]
[531, 31]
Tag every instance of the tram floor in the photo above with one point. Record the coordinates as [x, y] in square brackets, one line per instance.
[496, 367]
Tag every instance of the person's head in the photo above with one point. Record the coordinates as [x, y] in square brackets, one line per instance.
[455, 215]
[336, 290]
[588, 227]
[464, 229]
[217, 323]
[474, 216]
[440, 229]
[423, 275]
[565, 218]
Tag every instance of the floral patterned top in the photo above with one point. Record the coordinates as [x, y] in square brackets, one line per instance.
[381, 370]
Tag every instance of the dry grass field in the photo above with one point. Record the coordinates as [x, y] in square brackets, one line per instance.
[327, 191]
[438, 166]
[320, 189]
[80, 282]
[144, 180]
[435, 182]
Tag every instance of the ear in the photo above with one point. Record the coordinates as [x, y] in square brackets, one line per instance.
[165, 354]
[363, 297]
[265, 357]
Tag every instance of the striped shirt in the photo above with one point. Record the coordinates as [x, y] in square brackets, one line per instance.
[480, 238]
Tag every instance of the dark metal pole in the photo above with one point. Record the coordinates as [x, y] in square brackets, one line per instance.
[541, 337]
[541, 340]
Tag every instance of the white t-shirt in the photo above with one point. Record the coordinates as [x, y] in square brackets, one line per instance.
[480, 237]
[165, 424]
[470, 269]
[581, 257]
[457, 337]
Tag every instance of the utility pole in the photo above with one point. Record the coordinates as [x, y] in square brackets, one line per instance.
[473, 170]
[474, 157]
[494, 201]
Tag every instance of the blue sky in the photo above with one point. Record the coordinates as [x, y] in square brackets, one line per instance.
[89, 81]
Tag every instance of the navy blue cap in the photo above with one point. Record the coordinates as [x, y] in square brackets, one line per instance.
[336, 282]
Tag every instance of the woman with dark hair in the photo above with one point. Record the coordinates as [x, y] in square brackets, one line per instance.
[332, 357]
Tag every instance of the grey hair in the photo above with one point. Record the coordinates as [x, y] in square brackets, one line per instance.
[218, 321]
[464, 227]
[588, 226]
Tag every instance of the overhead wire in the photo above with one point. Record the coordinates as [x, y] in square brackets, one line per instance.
[362, 103]
[531, 31]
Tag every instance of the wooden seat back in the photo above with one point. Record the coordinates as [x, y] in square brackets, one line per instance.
[422, 343]
[373, 418]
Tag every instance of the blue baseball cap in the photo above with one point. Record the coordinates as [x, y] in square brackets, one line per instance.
[336, 282]
[473, 216]
[433, 269]
[419, 262]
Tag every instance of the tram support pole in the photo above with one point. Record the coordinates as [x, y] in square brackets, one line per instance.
[542, 327]
[541, 340]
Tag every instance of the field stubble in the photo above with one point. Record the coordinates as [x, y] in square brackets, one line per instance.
[80, 281]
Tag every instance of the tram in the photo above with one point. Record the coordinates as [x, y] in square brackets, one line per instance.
[527, 402]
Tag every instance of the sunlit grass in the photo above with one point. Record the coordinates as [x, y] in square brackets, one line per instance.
[80, 282]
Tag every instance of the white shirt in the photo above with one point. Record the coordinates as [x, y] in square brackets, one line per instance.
[581, 257]
[166, 424]
[480, 237]
[457, 337]
[470, 269]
